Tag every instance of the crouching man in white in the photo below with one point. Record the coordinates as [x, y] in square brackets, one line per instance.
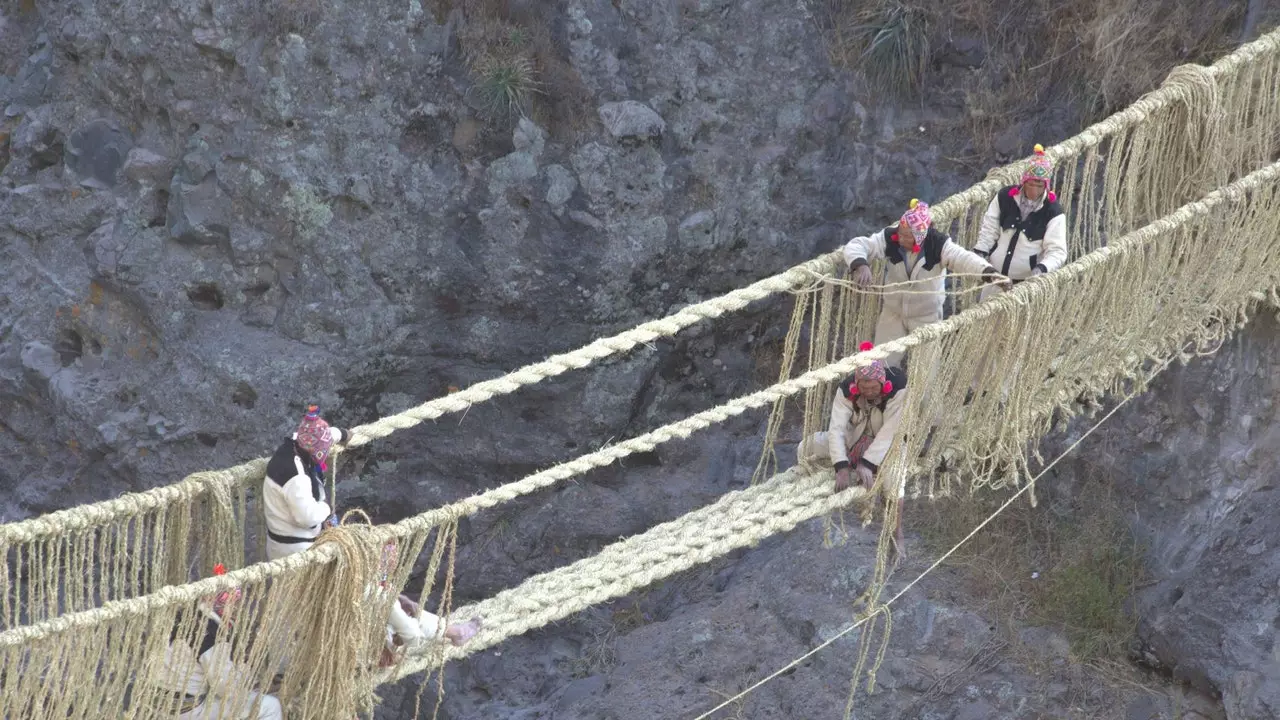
[918, 258]
[864, 420]
[205, 680]
[409, 626]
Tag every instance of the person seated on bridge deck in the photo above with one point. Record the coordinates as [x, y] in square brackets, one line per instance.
[1024, 231]
[918, 254]
[410, 626]
[204, 679]
[293, 497]
[864, 420]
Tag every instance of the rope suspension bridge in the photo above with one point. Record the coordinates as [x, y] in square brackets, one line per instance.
[1174, 232]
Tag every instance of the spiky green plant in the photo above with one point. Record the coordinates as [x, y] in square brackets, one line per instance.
[895, 46]
[505, 84]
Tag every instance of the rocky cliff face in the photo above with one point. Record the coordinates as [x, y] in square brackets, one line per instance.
[213, 213]
[1197, 462]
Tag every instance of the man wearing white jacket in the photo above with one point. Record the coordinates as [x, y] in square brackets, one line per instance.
[864, 420]
[293, 497]
[410, 626]
[918, 257]
[1024, 231]
[202, 675]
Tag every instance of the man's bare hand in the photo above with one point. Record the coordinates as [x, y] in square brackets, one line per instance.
[842, 479]
[863, 276]
[865, 476]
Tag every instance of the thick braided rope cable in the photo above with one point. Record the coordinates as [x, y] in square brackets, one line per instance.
[1171, 91]
[936, 564]
[131, 504]
[942, 212]
[171, 595]
[738, 519]
[605, 347]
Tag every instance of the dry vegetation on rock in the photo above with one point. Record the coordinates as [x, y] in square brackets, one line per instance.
[1007, 61]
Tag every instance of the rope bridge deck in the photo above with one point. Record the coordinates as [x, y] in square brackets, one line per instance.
[89, 595]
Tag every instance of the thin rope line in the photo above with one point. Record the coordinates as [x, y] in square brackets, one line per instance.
[931, 568]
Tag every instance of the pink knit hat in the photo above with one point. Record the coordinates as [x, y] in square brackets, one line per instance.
[874, 371]
[313, 436]
[918, 219]
[1040, 167]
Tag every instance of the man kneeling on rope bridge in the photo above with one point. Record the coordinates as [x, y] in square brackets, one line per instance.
[864, 419]
[409, 626]
[919, 257]
[203, 677]
[293, 498]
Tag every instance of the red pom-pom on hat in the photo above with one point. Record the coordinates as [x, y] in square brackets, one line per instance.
[865, 346]
[219, 569]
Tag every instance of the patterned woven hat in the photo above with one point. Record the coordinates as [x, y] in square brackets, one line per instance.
[874, 371]
[313, 436]
[1040, 167]
[918, 219]
[227, 597]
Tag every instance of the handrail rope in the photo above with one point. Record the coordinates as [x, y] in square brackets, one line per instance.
[170, 595]
[943, 212]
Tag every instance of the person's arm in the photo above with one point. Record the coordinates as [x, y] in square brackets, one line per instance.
[876, 452]
[989, 232]
[305, 509]
[863, 249]
[965, 262]
[841, 411]
[1053, 249]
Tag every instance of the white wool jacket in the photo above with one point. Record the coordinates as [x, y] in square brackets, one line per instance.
[1018, 243]
[205, 670]
[852, 417]
[293, 497]
[938, 254]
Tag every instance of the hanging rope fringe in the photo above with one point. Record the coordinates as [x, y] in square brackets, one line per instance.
[89, 595]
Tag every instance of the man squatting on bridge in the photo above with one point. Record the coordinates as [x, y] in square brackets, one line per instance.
[205, 680]
[864, 420]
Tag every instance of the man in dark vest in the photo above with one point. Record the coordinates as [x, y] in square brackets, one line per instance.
[1024, 232]
[917, 258]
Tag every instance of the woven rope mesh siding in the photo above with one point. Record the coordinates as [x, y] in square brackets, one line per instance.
[323, 613]
[1188, 304]
[1134, 181]
[1185, 288]
[79, 558]
[1122, 173]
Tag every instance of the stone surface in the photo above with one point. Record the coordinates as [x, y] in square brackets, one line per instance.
[1206, 491]
[631, 119]
[215, 214]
